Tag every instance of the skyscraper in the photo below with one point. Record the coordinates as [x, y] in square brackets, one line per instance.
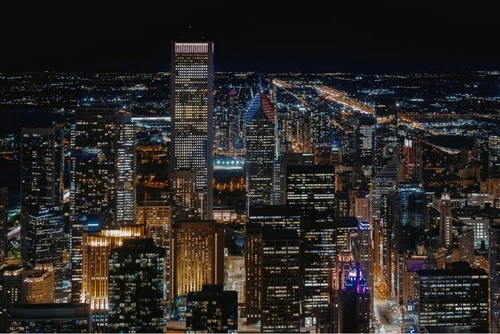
[93, 178]
[41, 189]
[191, 98]
[126, 142]
[445, 221]
[198, 256]
[136, 287]
[446, 299]
[4, 206]
[260, 150]
[494, 277]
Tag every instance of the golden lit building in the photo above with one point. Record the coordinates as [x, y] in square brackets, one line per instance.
[38, 286]
[96, 249]
[198, 255]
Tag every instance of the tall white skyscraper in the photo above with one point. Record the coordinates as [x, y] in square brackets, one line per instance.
[192, 122]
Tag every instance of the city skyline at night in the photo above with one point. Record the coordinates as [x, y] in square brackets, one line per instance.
[250, 170]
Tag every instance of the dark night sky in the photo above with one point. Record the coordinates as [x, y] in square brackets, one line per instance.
[269, 36]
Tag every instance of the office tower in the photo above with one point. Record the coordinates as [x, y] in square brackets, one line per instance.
[287, 159]
[311, 187]
[260, 150]
[37, 286]
[259, 217]
[354, 303]
[280, 281]
[386, 142]
[41, 167]
[494, 277]
[93, 178]
[362, 207]
[191, 98]
[494, 156]
[156, 216]
[198, 256]
[347, 229]
[466, 245]
[97, 247]
[445, 221]
[41, 185]
[212, 310]
[363, 253]
[20, 285]
[43, 239]
[318, 253]
[4, 207]
[410, 216]
[446, 299]
[126, 143]
[364, 154]
[412, 160]
[384, 182]
[136, 287]
[50, 318]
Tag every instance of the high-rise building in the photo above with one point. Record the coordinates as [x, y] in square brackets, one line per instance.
[260, 217]
[41, 189]
[318, 252]
[44, 238]
[97, 247]
[494, 156]
[410, 218]
[50, 318]
[445, 221]
[280, 281]
[191, 96]
[93, 178]
[494, 277]
[260, 150]
[386, 142]
[446, 299]
[126, 142]
[212, 310]
[41, 167]
[385, 181]
[354, 303]
[4, 207]
[136, 287]
[364, 154]
[311, 187]
[198, 256]
[412, 160]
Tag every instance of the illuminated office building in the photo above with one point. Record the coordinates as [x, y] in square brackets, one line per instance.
[494, 277]
[446, 299]
[354, 303]
[386, 142]
[317, 258]
[96, 250]
[198, 256]
[280, 275]
[260, 150]
[212, 310]
[126, 142]
[43, 239]
[311, 187]
[260, 217]
[93, 178]
[494, 156]
[4, 208]
[41, 188]
[41, 167]
[136, 287]
[191, 96]
[364, 154]
[50, 318]
[412, 160]
[445, 221]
